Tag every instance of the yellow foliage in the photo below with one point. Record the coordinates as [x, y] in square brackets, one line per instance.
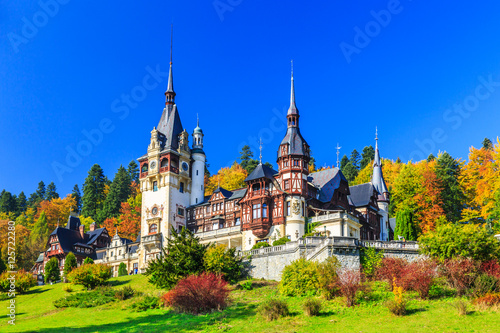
[228, 178]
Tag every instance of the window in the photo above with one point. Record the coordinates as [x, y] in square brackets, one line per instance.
[287, 184]
[208, 209]
[164, 163]
[256, 211]
[120, 252]
[215, 226]
[196, 200]
[181, 188]
[238, 221]
[264, 210]
[288, 208]
[296, 162]
[112, 253]
[180, 211]
[197, 172]
[155, 186]
[144, 168]
[153, 228]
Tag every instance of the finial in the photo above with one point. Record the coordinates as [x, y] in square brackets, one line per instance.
[292, 68]
[376, 133]
[171, 41]
[197, 120]
[338, 154]
[260, 148]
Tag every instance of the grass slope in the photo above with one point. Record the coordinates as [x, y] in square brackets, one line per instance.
[35, 313]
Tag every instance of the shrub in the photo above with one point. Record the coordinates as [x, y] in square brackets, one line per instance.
[273, 309]
[88, 260]
[52, 273]
[260, 244]
[492, 268]
[299, 278]
[328, 278]
[247, 285]
[24, 281]
[124, 293]
[221, 260]
[488, 300]
[397, 306]
[67, 288]
[460, 273]
[281, 241]
[183, 256]
[312, 306]
[145, 303]
[350, 284]
[122, 269]
[70, 263]
[461, 307]
[484, 284]
[371, 260]
[419, 276]
[86, 299]
[90, 275]
[198, 294]
[391, 268]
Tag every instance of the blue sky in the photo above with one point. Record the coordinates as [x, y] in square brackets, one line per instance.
[427, 74]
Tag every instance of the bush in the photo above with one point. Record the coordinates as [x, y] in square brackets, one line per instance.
[70, 263]
[461, 307]
[460, 273]
[488, 300]
[86, 299]
[260, 244]
[198, 294]
[52, 273]
[122, 269]
[455, 240]
[273, 309]
[90, 275]
[491, 268]
[299, 278]
[391, 268]
[247, 285]
[350, 284]
[328, 278]
[183, 256]
[88, 260]
[397, 306]
[371, 260]
[485, 284]
[419, 276]
[312, 307]
[145, 303]
[221, 260]
[281, 241]
[24, 281]
[124, 293]
[68, 288]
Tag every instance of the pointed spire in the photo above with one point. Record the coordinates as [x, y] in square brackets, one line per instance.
[378, 176]
[376, 160]
[293, 107]
[170, 94]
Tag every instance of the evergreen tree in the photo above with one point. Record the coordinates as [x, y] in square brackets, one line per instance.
[78, 198]
[355, 159]
[398, 160]
[367, 156]
[452, 195]
[51, 192]
[88, 260]
[343, 162]
[133, 171]
[8, 203]
[93, 192]
[312, 164]
[487, 144]
[431, 158]
[122, 269]
[246, 155]
[52, 272]
[70, 263]
[40, 192]
[405, 226]
[22, 203]
[119, 191]
[350, 172]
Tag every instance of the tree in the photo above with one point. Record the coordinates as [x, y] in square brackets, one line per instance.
[487, 144]
[455, 240]
[246, 155]
[221, 260]
[22, 203]
[40, 192]
[431, 158]
[57, 210]
[8, 203]
[227, 178]
[70, 263]
[76, 194]
[119, 192]
[355, 159]
[350, 172]
[93, 192]
[51, 192]
[182, 256]
[52, 273]
[405, 226]
[2, 264]
[90, 276]
[88, 261]
[122, 269]
[447, 171]
[367, 156]
[343, 162]
[40, 233]
[133, 171]
[128, 223]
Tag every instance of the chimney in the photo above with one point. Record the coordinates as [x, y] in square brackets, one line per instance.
[92, 226]
[82, 231]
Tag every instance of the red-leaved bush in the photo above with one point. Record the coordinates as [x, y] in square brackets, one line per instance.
[350, 281]
[419, 276]
[198, 294]
[488, 300]
[460, 273]
[391, 268]
[492, 268]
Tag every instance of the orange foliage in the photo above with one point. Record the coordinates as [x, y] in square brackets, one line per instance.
[129, 221]
[428, 199]
[56, 209]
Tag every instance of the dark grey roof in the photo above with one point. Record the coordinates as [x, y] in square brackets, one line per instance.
[40, 257]
[327, 181]
[138, 239]
[133, 248]
[293, 108]
[238, 194]
[262, 171]
[67, 238]
[377, 176]
[73, 223]
[93, 235]
[197, 151]
[224, 192]
[361, 194]
[296, 143]
[83, 245]
[170, 126]
[100, 254]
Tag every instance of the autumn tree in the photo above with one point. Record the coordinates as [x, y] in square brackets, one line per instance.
[57, 210]
[228, 178]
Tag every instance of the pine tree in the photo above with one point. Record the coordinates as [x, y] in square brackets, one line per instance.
[70, 263]
[355, 159]
[246, 155]
[487, 144]
[343, 162]
[405, 226]
[367, 156]
[398, 160]
[431, 158]
[78, 198]
[133, 171]
[93, 192]
[51, 192]
[22, 203]
[52, 272]
[119, 192]
[8, 203]
[447, 171]
[40, 192]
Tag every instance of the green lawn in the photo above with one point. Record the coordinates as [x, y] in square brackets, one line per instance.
[36, 313]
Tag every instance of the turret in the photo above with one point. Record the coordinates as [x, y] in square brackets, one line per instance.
[198, 168]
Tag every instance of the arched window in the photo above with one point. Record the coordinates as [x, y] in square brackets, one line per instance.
[153, 228]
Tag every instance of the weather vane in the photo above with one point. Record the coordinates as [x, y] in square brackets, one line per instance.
[260, 148]
[338, 154]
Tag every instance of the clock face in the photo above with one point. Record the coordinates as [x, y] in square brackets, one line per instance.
[154, 211]
[185, 166]
[152, 165]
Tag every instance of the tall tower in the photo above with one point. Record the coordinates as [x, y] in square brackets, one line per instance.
[198, 168]
[383, 194]
[293, 166]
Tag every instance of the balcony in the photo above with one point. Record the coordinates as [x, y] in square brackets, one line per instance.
[152, 241]
[258, 193]
[334, 216]
[219, 232]
[143, 174]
